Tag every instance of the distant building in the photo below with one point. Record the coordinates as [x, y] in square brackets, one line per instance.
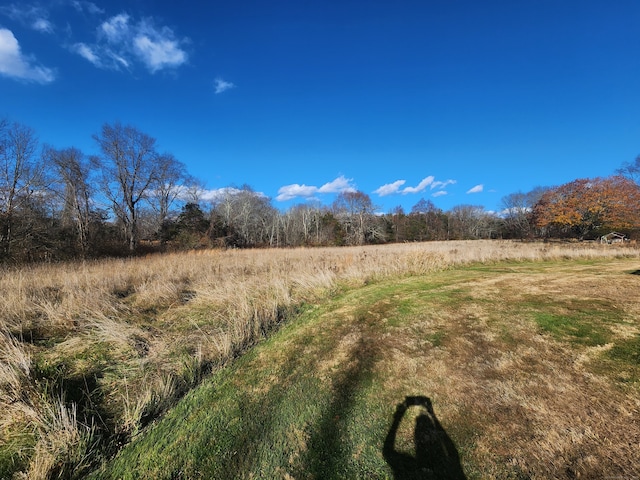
[613, 237]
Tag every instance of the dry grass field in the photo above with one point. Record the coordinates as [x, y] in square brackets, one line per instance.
[92, 352]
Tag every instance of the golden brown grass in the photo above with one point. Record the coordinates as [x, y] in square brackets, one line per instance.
[537, 406]
[124, 338]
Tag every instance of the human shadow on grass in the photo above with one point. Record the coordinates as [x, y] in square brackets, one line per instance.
[436, 456]
[328, 455]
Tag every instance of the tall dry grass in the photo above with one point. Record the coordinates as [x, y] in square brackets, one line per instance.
[123, 339]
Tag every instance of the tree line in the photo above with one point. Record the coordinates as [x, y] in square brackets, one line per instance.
[60, 204]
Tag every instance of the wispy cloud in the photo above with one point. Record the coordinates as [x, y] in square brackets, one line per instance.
[477, 189]
[424, 183]
[427, 182]
[440, 185]
[120, 42]
[116, 29]
[339, 185]
[309, 192]
[219, 194]
[439, 193]
[86, 52]
[32, 16]
[42, 25]
[295, 190]
[14, 64]
[389, 188]
[221, 85]
[158, 53]
[90, 7]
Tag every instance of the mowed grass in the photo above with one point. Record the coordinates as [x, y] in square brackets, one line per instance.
[531, 370]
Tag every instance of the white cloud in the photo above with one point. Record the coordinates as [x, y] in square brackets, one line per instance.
[120, 42]
[119, 60]
[289, 192]
[477, 189]
[42, 25]
[116, 29]
[295, 190]
[442, 185]
[339, 185]
[439, 193]
[430, 181]
[159, 53]
[222, 85]
[217, 194]
[424, 183]
[389, 188]
[86, 52]
[16, 65]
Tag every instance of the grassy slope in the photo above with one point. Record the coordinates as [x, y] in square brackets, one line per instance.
[532, 370]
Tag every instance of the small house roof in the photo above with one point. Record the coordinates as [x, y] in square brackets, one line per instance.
[614, 235]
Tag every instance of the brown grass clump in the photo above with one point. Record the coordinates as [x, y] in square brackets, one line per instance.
[122, 339]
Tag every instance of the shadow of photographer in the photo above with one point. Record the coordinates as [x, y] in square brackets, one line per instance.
[436, 456]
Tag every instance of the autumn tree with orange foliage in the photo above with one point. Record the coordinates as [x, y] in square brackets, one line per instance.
[587, 205]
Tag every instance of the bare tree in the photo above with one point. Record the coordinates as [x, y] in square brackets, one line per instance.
[129, 172]
[245, 218]
[301, 224]
[356, 212]
[431, 221]
[471, 222]
[631, 170]
[171, 183]
[517, 211]
[20, 176]
[73, 188]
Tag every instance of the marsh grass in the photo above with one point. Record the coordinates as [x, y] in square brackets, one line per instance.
[122, 340]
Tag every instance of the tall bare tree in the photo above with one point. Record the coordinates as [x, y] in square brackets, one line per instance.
[172, 182]
[244, 218]
[517, 212]
[129, 172]
[471, 222]
[20, 177]
[72, 171]
[428, 222]
[356, 212]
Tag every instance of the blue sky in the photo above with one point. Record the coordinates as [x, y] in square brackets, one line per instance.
[457, 102]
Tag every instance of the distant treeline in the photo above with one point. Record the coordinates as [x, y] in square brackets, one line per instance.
[58, 204]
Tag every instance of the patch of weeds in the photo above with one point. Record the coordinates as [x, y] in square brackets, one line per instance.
[576, 329]
[577, 320]
[507, 335]
[405, 307]
[436, 338]
[622, 361]
[185, 318]
[627, 351]
[16, 450]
